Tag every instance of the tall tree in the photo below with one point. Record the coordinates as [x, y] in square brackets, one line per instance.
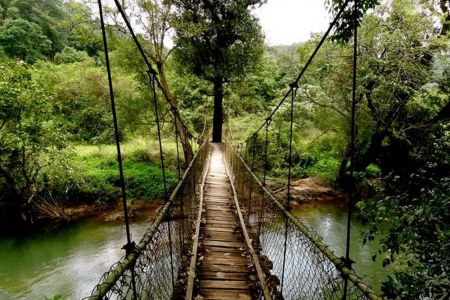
[155, 17]
[46, 13]
[80, 28]
[396, 57]
[30, 141]
[23, 39]
[217, 40]
[157, 22]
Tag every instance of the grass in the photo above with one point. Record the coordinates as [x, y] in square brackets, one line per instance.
[97, 176]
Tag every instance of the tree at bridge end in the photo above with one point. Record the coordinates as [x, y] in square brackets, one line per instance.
[217, 41]
[218, 111]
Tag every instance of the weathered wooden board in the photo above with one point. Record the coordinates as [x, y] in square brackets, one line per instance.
[223, 275]
[236, 244]
[226, 294]
[224, 284]
[222, 268]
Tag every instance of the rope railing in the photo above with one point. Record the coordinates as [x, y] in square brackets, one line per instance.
[161, 253]
[311, 269]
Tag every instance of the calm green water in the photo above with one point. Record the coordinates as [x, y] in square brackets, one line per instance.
[68, 262]
[71, 261]
[329, 220]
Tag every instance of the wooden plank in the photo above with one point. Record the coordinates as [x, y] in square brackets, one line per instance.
[221, 250]
[218, 217]
[222, 268]
[224, 284]
[216, 207]
[226, 255]
[216, 222]
[226, 295]
[223, 275]
[220, 214]
[221, 234]
[221, 218]
[223, 239]
[223, 187]
[223, 203]
[217, 228]
[223, 244]
[233, 261]
[216, 194]
[223, 197]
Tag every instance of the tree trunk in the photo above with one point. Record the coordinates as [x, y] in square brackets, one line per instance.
[218, 110]
[363, 160]
[373, 152]
[182, 132]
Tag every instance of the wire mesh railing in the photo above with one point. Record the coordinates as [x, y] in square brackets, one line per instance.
[305, 268]
[152, 269]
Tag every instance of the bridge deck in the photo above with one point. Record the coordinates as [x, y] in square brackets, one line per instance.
[224, 267]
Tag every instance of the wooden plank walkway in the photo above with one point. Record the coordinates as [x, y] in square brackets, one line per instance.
[224, 267]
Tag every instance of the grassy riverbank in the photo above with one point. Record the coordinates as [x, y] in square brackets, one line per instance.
[98, 172]
[89, 187]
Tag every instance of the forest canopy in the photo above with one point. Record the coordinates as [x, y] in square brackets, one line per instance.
[56, 127]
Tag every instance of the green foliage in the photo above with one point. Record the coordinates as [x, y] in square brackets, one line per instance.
[70, 55]
[345, 24]
[47, 14]
[253, 92]
[55, 24]
[80, 29]
[217, 39]
[23, 39]
[97, 178]
[31, 141]
[81, 98]
[420, 228]
[56, 297]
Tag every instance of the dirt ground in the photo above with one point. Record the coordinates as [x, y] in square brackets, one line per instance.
[307, 190]
[137, 210]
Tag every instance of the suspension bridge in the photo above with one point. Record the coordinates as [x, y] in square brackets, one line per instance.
[222, 234]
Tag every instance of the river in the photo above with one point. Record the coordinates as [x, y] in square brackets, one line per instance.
[70, 261]
[329, 220]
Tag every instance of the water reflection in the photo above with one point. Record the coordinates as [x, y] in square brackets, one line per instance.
[68, 262]
[329, 220]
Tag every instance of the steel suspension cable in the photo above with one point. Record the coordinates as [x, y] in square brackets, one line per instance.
[291, 136]
[303, 70]
[352, 187]
[288, 198]
[129, 247]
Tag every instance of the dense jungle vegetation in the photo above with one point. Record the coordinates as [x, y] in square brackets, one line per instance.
[56, 133]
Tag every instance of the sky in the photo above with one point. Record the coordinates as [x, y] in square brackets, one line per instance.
[286, 22]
